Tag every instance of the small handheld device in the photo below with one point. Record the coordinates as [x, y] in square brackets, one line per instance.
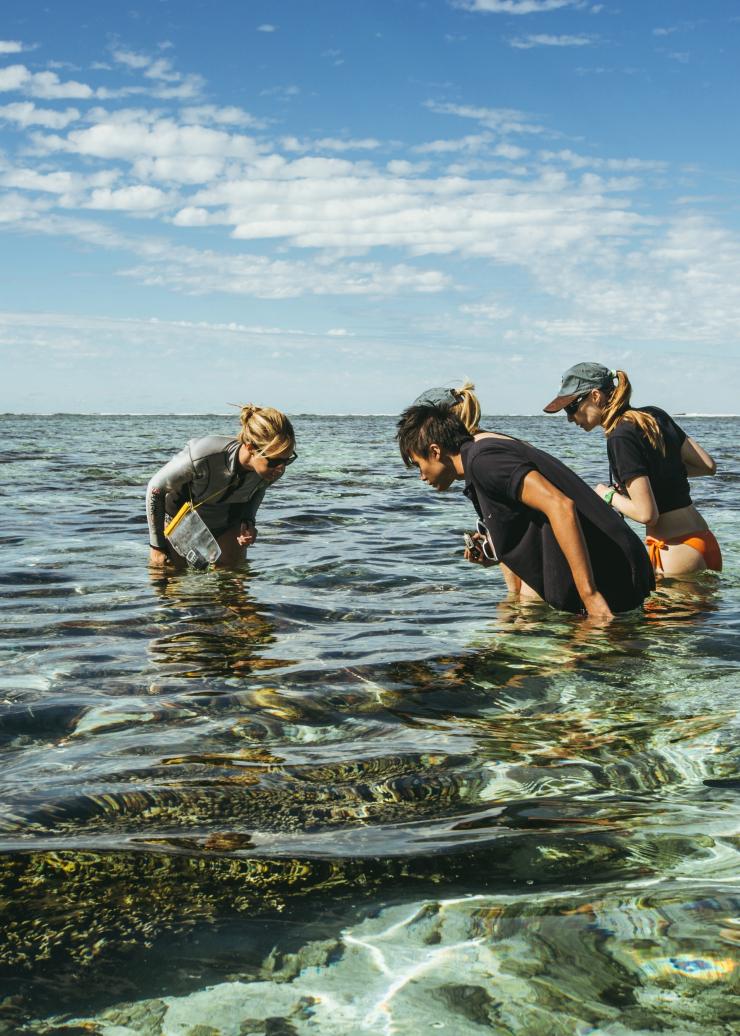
[470, 543]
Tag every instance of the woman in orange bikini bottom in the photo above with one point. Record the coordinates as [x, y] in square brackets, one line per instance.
[703, 541]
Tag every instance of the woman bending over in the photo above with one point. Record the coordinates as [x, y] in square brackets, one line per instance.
[650, 461]
[464, 404]
[225, 479]
[592, 562]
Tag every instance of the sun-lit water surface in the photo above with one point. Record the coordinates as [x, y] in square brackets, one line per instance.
[350, 787]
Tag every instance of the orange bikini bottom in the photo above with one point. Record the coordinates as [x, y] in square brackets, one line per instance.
[704, 542]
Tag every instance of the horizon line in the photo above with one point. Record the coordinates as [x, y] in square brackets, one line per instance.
[294, 413]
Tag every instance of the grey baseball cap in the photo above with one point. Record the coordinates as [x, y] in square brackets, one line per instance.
[580, 378]
[437, 397]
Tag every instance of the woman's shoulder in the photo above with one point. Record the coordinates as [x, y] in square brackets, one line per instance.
[207, 445]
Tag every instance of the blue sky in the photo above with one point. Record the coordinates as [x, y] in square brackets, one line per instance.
[329, 205]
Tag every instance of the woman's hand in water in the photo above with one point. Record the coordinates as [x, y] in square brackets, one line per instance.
[597, 608]
[247, 534]
[157, 558]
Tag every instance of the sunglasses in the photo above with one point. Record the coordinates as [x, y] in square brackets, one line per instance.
[280, 462]
[571, 408]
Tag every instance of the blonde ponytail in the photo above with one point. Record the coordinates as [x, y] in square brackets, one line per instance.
[618, 409]
[267, 429]
[467, 407]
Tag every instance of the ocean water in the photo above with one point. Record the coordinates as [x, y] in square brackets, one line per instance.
[350, 788]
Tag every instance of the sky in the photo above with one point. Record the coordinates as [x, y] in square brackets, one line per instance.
[330, 205]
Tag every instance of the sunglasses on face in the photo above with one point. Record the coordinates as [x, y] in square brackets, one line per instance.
[571, 408]
[280, 462]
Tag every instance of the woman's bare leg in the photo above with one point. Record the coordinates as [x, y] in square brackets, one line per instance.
[680, 559]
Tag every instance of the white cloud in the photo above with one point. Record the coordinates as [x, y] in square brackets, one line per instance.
[473, 142]
[226, 116]
[513, 6]
[576, 161]
[501, 120]
[682, 285]
[172, 85]
[313, 203]
[197, 272]
[46, 85]
[192, 216]
[70, 186]
[400, 167]
[191, 169]
[329, 144]
[11, 47]
[25, 113]
[136, 198]
[134, 139]
[21, 210]
[543, 40]
[267, 28]
[152, 68]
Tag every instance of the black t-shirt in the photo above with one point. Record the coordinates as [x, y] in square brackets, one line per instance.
[523, 538]
[630, 455]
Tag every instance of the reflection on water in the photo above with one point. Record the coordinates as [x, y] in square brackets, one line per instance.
[354, 759]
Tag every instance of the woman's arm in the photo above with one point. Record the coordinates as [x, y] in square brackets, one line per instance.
[175, 474]
[537, 492]
[640, 505]
[696, 460]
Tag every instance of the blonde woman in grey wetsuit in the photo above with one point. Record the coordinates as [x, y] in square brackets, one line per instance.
[228, 477]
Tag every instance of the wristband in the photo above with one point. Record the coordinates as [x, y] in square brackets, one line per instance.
[609, 495]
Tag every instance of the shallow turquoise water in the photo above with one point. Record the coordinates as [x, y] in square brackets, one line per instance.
[459, 813]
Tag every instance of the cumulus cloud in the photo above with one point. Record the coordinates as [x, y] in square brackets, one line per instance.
[131, 139]
[25, 113]
[543, 40]
[11, 47]
[70, 186]
[136, 198]
[45, 85]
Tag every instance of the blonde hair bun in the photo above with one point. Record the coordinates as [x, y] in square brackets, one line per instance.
[267, 429]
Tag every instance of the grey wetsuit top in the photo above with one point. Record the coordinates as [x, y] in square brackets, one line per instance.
[205, 468]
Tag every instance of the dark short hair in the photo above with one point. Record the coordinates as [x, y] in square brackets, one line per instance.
[425, 423]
